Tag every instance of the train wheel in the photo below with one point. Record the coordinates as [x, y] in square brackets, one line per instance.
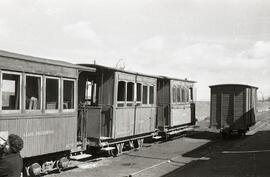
[224, 135]
[167, 137]
[62, 163]
[26, 172]
[34, 170]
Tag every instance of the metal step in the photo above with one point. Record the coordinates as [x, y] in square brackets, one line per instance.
[181, 130]
[107, 148]
[157, 137]
[80, 156]
[105, 138]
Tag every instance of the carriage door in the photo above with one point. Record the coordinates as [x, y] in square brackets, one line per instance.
[145, 112]
[87, 100]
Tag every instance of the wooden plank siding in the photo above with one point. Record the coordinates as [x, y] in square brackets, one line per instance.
[145, 120]
[124, 122]
[232, 106]
[42, 134]
[180, 115]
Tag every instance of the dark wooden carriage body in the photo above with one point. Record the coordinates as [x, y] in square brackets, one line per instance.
[233, 107]
[176, 105]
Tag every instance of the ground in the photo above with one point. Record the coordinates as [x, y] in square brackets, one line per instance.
[199, 153]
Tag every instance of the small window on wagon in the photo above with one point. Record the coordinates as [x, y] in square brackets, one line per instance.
[151, 95]
[139, 93]
[11, 91]
[68, 94]
[145, 95]
[33, 92]
[52, 93]
[130, 93]
[121, 93]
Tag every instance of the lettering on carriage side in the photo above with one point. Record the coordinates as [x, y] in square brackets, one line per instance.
[38, 133]
[46, 132]
[70, 145]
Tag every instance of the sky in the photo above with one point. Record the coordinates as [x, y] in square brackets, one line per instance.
[208, 41]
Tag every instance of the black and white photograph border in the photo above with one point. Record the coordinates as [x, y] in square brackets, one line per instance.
[134, 88]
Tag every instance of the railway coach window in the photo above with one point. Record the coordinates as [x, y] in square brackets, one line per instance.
[145, 95]
[11, 85]
[68, 94]
[52, 93]
[139, 93]
[130, 93]
[151, 95]
[190, 94]
[121, 93]
[183, 93]
[33, 92]
[178, 94]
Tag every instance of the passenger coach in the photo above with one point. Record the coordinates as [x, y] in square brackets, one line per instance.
[176, 105]
[119, 107]
[38, 101]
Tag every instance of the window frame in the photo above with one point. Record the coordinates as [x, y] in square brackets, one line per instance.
[141, 93]
[191, 96]
[59, 95]
[154, 98]
[147, 96]
[174, 94]
[20, 103]
[41, 93]
[62, 95]
[130, 103]
[125, 94]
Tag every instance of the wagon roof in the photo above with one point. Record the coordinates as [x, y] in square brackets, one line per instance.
[43, 60]
[225, 85]
[116, 69]
[177, 79]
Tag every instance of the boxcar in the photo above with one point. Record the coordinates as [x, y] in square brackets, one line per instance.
[119, 108]
[176, 105]
[38, 101]
[233, 108]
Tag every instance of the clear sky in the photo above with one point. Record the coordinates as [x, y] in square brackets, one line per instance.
[209, 41]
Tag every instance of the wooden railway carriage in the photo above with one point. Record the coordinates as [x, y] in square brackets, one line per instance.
[38, 101]
[233, 108]
[119, 107]
[176, 105]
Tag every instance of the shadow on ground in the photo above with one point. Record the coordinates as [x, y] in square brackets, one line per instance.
[237, 156]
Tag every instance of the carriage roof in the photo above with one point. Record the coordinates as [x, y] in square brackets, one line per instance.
[43, 60]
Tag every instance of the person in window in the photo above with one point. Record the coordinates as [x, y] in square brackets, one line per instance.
[11, 162]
